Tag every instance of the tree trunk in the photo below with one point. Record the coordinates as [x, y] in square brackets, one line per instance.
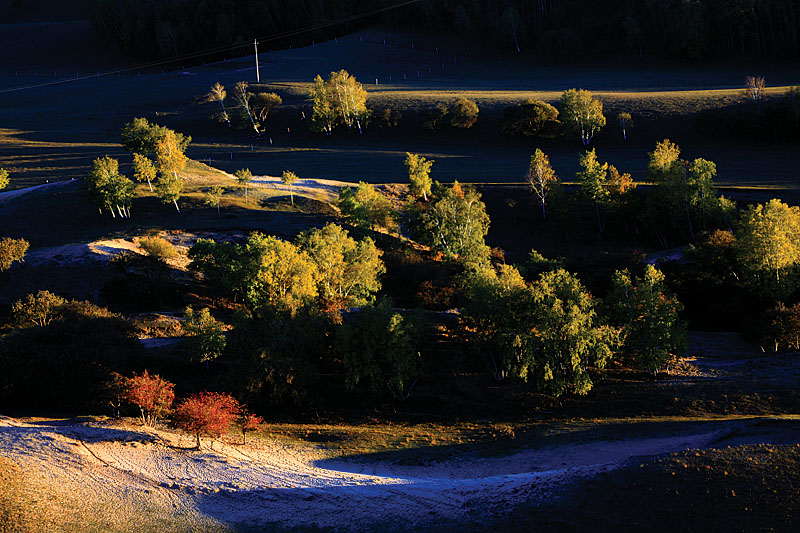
[597, 212]
[197, 436]
[544, 215]
[150, 184]
[176, 205]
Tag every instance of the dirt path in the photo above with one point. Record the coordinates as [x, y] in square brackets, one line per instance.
[295, 484]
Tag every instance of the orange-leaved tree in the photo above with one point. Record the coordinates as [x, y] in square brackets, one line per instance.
[151, 394]
[207, 414]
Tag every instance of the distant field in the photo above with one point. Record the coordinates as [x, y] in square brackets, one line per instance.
[53, 132]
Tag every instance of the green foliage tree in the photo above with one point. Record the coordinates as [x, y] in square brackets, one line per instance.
[365, 207]
[433, 118]
[12, 251]
[340, 99]
[4, 179]
[768, 243]
[419, 175]
[218, 94]
[594, 183]
[652, 332]
[670, 174]
[37, 309]
[206, 340]
[544, 332]
[348, 270]
[381, 349]
[213, 196]
[141, 137]
[456, 224]
[170, 160]
[582, 114]
[464, 113]
[108, 188]
[531, 118]
[265, 273]
[243, 176]
[143, 170]
[541, 178]
[289, 178]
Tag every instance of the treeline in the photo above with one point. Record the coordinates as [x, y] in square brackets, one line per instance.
[561, 30]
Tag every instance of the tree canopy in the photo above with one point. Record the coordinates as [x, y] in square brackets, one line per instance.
[339, 100]
[365, 207]
[582, 114]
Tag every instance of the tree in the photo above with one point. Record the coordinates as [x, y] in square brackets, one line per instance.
[670, 173]
[242, 98]
[218, 94]
[12, 251]
[701, 191]
[365, 207]
[108, 188]
[651, 331]
[141, 137]
[456, 224]
[768, 240]
[263, 104]
[38, 310]
[754, 87]
[464, 113]
[289, 178]
[4, 180]
[143, 170]
[381, 349]
[213, 197]
[419, 175]
[158, 248]
[338, 100]
[248, 422]
[170, 160]
[531, 118]
[151, 394]
[323, 114]
[541, 178]
[582, 114]
[243, 176]
[348, 271]
[593, 182]
[206, 335]
[543, 332]
[207, 414]
[625, 122]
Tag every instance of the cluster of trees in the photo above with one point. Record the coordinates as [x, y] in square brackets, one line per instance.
[339, 100]
[209, 414]
[11, 250]
[158, 157]
[689, 29]
[253, 108]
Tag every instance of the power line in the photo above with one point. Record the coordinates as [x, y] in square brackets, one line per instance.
[194, 55]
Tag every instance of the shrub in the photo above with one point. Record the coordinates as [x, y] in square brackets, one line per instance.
[207, 414]
[248, 422]
[158, 248]
[37, 310]
[432, 119]
[464, 113]
[531, 118]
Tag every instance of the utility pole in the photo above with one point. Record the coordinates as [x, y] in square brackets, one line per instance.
[258, 74]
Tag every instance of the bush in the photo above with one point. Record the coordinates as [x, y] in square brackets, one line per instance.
[158, 248]
[432, 119]
[464, 113]
[531, 118]
[37, 310]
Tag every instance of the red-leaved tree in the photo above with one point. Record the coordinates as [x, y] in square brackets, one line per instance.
[151, 394]
[248, 422]
[207, 414]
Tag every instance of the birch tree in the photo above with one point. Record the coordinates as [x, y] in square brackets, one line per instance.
[243, 176]
[340, 99]
[582, 113]
[419, 175]
[242, 98]
[170, 160]
[218, 94]
[625, 122]
[541, 178]
[289, 178]
[594, 184]
[143, 170]
[213, 197]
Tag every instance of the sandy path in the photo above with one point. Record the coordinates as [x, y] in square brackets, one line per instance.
[274, 482]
